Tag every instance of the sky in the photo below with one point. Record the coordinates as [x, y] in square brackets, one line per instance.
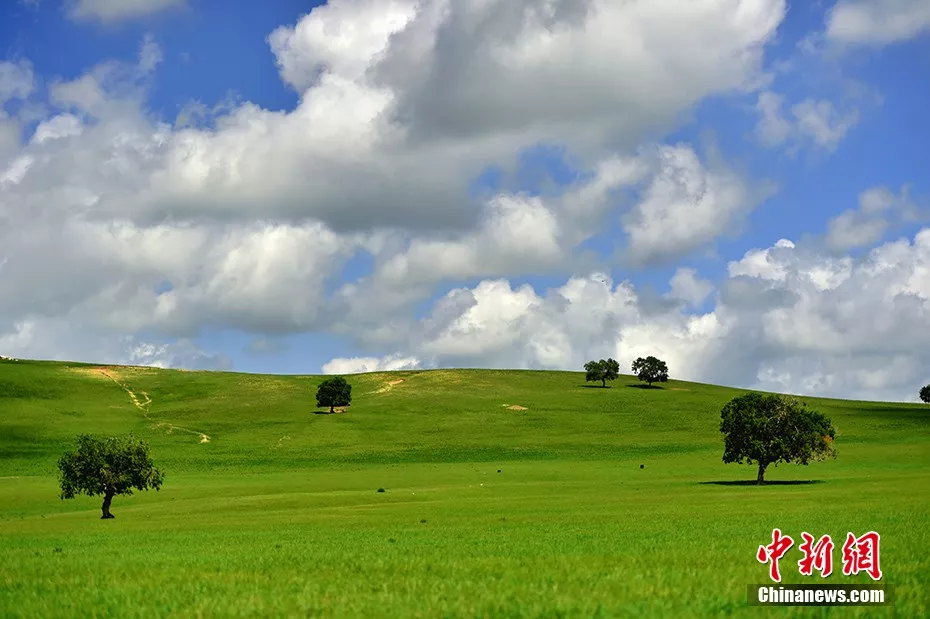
[739, 187]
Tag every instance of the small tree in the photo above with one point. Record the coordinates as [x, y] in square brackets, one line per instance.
[650, 370]
[334, 392]
[925, 394]
[108, 466]
[602, 370]
[768, 429]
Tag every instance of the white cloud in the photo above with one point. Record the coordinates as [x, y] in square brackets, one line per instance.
[339, 38]
[819, 121]
[150, 54]
[58, 127]
[181, 354]
[119, 10]
[44, 338]
[879, 209]
[773, 128]
[361, 365]
[812, 122]
[685, 207]
[878, 22]
[16, 81]
[787, 319]
[688, 287]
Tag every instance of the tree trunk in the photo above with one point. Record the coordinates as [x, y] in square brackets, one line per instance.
[332, 408]
[107, 499]
[760, 478]
[604, 383]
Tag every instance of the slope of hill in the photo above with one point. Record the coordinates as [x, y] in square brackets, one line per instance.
[508, 493]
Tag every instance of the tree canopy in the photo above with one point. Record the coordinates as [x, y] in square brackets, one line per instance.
[925, 394]
[650, 370]
[108, 466]
[602, 370]
[334, 392]
[766, 429]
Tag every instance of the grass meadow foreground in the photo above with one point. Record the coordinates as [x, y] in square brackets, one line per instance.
[269, 509]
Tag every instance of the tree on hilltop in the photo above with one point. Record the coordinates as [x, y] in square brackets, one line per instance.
[602, 370]
[108, 466]
[334, 392]
[768, 429]
[650, 370]
[925, 394]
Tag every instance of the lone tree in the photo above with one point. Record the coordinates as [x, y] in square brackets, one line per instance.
[650, 370]
[601, 371]
[107, 465]
[334, 392]
[768, 429]
[925, 394]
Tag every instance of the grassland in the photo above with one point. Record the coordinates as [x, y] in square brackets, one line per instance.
[269, 509]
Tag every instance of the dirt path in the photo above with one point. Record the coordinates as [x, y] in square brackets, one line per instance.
[143, 404]
[390, 385]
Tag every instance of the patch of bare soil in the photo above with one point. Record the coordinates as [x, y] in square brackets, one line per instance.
[390, 385]
[326, 411]
[516, 407]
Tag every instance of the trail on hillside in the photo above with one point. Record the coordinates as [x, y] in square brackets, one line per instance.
[390, 385]
[143, 405]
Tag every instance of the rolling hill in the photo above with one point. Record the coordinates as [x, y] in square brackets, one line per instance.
[507, 493]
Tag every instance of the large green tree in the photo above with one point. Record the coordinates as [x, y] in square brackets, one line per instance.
[765, 429]
[334, 392]
[925, 394]
[650, 370]
[108, 466]
[602, 370]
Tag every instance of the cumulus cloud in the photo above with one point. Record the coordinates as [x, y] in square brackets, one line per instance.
[16, 80]
[685, 206]
[361, 365]
[839, 327]
[879, 209]
[812, 122]
[404, 103]
[688, 287]
[111, 11]
[877, 22]
[56, 339]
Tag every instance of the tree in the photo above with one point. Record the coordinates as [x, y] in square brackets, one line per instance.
[601, 371]
[334, 392]
[650, 370]
[768, 429]
[925, 394]
[107, 465]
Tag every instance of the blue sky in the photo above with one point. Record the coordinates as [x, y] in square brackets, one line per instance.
[849, 118]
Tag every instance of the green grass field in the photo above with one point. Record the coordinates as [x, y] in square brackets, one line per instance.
[269, 509]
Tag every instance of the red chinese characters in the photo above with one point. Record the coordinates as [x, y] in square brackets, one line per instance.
[861, 555]
[773, 552]
[817, 556]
